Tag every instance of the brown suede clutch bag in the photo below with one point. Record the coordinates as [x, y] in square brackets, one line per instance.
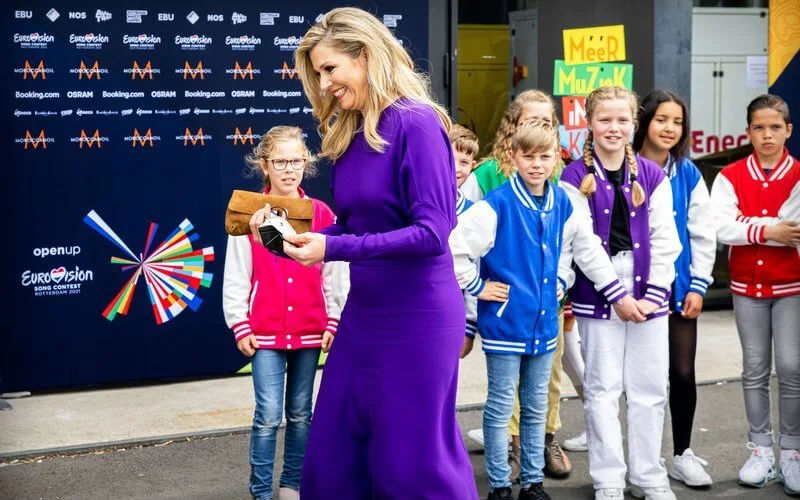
[243, 204]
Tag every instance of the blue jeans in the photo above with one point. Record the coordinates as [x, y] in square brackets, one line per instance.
[533, 374]
[271, 369]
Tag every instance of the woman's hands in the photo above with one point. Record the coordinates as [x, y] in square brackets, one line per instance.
[306, 248]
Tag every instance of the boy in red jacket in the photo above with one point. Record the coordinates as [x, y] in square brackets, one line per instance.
[756, 202]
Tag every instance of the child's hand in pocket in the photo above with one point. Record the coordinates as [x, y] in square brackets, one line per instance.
[494, 291]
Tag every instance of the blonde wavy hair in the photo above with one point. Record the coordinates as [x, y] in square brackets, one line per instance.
[390, 75]
[257, 159]
[589, 183]
[501, 147]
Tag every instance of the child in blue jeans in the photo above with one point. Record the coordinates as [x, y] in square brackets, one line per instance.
[517, 232]
[282, 314]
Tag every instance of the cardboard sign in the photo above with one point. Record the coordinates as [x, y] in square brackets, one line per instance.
[573, 112]
[582, 79]
[594, 45]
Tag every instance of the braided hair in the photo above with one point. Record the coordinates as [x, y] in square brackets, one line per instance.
[588, 183]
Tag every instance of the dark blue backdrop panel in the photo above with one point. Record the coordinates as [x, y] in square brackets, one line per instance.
[119, 116]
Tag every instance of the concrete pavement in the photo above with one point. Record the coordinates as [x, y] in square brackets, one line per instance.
[215, 468]
[80, 419]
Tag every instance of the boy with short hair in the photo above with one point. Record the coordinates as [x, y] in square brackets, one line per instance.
[519, 231]
[756, 205]
[465, 149]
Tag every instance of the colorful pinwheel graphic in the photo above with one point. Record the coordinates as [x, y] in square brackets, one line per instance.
[173, 271]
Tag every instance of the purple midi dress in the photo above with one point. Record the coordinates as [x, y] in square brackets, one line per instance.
[384, 424]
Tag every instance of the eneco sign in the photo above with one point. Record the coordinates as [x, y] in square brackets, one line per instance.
[703, 144]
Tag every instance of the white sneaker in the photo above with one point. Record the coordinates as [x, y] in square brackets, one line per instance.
[288, 494]
[608, 494]
[790, 471]
[577, 443]
[689, 469]
[476, 435]
[759, 468]
[653, 493]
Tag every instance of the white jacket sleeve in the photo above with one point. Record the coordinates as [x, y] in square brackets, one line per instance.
[335, 287]
[702, 240]
[472, 238]
[236, 285]
[581, 245]
[725, 208]
[665, 245]
[471, 189]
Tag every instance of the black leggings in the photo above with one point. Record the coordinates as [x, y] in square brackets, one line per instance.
[682, 388]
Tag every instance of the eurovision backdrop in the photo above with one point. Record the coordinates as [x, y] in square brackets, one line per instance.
[127, 127]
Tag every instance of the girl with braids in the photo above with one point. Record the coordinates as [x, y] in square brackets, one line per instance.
[497, 169]
[662, 137]
[624, 334]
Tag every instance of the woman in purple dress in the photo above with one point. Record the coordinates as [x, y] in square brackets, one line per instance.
[384, 425]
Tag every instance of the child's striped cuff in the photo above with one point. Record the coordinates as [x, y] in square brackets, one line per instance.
[333, 324]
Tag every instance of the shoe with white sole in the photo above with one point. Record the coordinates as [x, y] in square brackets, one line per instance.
[608, 494]
[759, 469]
[653, 493]
[790, 471]
[688, 469]
[476, 435]
[577, 443]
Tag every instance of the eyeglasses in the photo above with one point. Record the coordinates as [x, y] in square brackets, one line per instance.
[281, 163]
